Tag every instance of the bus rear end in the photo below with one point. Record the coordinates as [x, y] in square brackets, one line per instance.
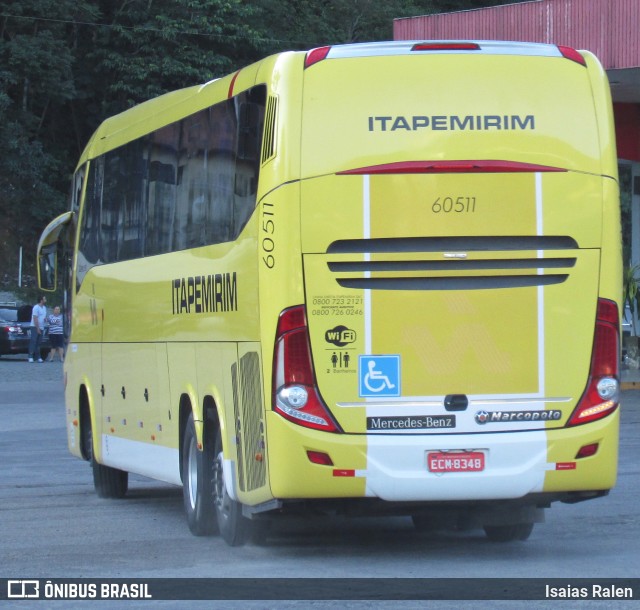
[457, 351]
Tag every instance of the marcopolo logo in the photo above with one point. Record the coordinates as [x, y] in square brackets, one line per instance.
[491, 417]
[340, 336]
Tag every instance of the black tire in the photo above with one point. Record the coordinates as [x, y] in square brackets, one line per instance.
[86, 435]
[197, 482]
[234, 528]
[108, 482]
[508, 533]
[423, 523]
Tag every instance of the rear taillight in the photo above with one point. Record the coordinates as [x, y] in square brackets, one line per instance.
[446, 46]
[488, 166]
[572, 54]
[316, 55]
[603, 388]
[295, 394]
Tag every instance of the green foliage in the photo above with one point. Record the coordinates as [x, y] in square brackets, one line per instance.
[65, 65]
[155, 46]
[631, 285]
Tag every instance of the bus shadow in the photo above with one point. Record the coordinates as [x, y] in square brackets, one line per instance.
[358, 535]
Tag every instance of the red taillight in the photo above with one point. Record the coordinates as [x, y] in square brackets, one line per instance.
[603, 388]
[319, 457]
[295, 395]
[587, 451]
[316, 55]
[446, 46]
[489, 166]
[572, 54]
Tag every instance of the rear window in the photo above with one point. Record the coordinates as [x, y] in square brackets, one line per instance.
[9, 315]
[16, 314]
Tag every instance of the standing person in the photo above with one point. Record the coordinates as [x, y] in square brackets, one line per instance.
[56, 335]
[38, 316]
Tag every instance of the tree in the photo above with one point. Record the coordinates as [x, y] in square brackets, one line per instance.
[149, 47]
[299, 24]
[36, 82]
[65, 65]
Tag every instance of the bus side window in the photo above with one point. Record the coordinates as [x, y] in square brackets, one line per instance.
[250, 129]
[189, 184]
[162, 189]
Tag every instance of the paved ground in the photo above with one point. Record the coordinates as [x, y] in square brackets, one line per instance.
[52, 525]
[17, 368]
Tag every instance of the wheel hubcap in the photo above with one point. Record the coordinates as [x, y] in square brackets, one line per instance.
[192, 473]
[222, 499]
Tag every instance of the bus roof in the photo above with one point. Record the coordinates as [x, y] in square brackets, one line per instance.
[405, 47]
[144, 117]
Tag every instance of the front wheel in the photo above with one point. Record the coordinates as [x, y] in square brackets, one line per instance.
[108, 482]
[197, 482]
[234, 528]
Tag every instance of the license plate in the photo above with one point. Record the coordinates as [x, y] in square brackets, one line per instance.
[458, 461]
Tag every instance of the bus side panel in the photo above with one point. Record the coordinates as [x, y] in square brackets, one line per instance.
[82, 367]
[281, 283]
[182, 361]
[83, 364]
[611, 283]
[134, 413]
[604, 112]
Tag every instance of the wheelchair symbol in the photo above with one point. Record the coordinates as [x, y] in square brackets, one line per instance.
[376, 376]
[379, 375]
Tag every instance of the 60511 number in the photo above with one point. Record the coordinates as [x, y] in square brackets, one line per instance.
[457, 205]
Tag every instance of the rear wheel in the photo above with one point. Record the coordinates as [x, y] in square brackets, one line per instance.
[423, 523]
[508, 533]
[234, 528]
[197, 481]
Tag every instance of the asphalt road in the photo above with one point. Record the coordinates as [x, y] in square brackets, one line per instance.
[52, 525]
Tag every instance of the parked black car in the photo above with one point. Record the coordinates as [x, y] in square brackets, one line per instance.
[15, 329]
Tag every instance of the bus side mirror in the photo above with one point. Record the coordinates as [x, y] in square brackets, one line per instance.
[48, 251]
[48, 267]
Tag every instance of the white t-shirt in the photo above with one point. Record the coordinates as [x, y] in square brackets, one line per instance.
[40, 312]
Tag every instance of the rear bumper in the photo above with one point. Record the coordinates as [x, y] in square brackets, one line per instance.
[394, 467]
[14, 346]
[21, 344]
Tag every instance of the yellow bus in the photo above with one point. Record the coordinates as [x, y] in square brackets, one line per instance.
[371, 278]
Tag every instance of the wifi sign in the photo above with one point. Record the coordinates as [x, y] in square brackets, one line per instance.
[340, 336]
